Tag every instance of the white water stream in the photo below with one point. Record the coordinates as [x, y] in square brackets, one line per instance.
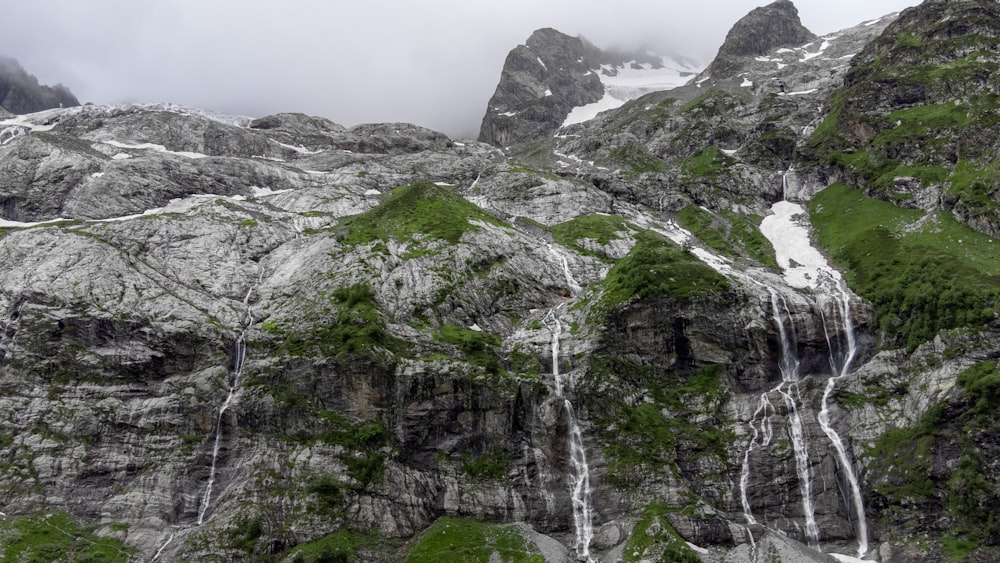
[583, 514]
[788, 388]
[239, 357]
[805, 267]
[842, 298]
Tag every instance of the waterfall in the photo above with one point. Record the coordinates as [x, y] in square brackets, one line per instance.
[239, 357]
[788, 365]
[806, 268]
[159, 551]
[842, 299]
[583, 514]
[765, 432]
[574, 287]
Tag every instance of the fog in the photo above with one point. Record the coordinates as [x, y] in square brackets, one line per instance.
[433, 62]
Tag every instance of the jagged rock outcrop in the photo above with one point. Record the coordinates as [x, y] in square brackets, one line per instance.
[542, 81]
[758, 33]
[534, 96]
[20, 92]
[722, 142]
[931, 75]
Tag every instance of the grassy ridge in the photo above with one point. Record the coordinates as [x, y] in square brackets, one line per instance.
[922, 273]
[56, 537]
[422, 208]
[658, 267]
[468, 541]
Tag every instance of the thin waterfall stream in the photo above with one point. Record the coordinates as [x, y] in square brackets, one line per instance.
[583, 515]
[239, 358]
[842, 299]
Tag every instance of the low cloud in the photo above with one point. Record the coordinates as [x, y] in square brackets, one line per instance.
[434, 63]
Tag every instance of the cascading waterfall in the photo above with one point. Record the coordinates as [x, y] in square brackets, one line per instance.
[789, 368]
[583, 514]
[762, 431]
[239, 357]
[843, 302]
[805, 267]
[574, 287]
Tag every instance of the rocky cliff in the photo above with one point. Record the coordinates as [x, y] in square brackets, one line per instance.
[759, 33]
[20, 92]
[672, 333]
[543, 80]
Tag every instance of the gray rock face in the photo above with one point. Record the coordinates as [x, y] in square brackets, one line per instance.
[534, 96]
[761, 31]
[542, 81]
[382, 311]
[20, 92]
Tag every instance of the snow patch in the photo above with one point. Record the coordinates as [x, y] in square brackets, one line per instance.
[539, 59]
[152, 146]
[628, 83]
[747, 83]
[258, 191]
[581, 114]
[299, 149]
[803, 265]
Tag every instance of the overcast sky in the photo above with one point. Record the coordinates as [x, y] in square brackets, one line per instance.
[430, 62]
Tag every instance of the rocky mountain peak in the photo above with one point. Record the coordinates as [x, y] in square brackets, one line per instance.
[541, 82]
[762, 30]
[20, 92]
[553, 75]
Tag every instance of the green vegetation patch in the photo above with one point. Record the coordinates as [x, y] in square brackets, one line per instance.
[358, 327]
[922, 274]
[658, 267]
[479, 348]
[598, 227]
[654, 539]
[710, 163]
[468, 541]
[342, 546]
[56, 536]
[635, 158]
[423, 208]
[363, 443]
[729, 233]
[339, 547]
[945, 139]
[942, 464]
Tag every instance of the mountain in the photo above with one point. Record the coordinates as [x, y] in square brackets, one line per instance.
[554, 80]
[20, 92]
[760, 32]
[753, 316]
